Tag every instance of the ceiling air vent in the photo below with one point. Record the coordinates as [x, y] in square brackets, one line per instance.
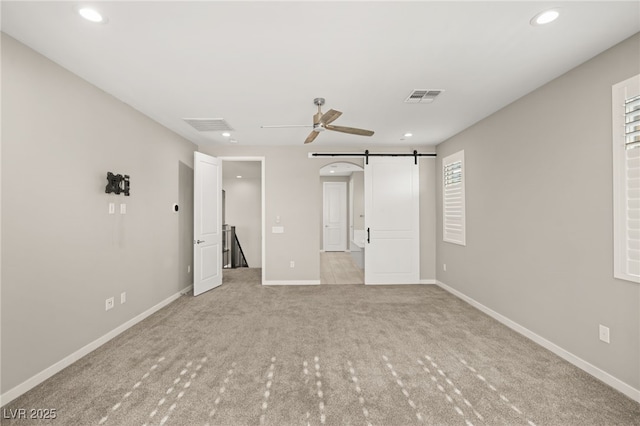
[423, 96]
[208, 124]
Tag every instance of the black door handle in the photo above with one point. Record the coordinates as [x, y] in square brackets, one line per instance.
[368, 236]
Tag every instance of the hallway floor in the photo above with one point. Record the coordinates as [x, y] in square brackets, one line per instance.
[338, 267]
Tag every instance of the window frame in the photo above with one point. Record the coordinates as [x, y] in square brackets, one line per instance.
[449, 237]
[620, 93]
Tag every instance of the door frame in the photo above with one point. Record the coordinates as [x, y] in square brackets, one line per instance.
[344, 214]
[262, 201]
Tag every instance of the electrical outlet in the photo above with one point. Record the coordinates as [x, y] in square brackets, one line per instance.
[123, 208]
[112, 208]
[604, 333]
[188, 269]
[292, 264]
[444, 267]
[123, 297]
[108, 304]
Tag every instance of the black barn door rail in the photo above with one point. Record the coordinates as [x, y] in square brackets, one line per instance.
[368, 154]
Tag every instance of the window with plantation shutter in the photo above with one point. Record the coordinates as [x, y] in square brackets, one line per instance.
[626, 179]
[453, 202]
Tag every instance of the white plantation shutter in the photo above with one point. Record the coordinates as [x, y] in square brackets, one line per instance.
[633, 211]
[453, 199]
[632, 122]
[626, 155]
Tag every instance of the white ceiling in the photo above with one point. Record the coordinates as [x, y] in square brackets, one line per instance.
[263, 63]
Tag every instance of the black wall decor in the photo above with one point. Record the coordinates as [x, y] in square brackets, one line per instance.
[118, 184]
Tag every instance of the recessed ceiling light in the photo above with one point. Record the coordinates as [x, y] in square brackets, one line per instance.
[226, 134]
[239, 177]
[545, 17]
[91, 15]
[408, 135]
[332, 171]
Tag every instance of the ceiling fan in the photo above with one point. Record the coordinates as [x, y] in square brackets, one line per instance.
[322, 122]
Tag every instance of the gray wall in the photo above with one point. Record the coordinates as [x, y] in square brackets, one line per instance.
[539, 216]
[427, 217]
[358, 200]
[293, 193]
[244, 211]
[62, 253]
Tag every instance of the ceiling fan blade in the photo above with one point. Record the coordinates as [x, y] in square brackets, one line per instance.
[281, 126]
[351, 130]
[311, 136]
[330, 116]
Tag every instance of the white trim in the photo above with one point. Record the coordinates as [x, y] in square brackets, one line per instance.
[421, 282]
[40, 377]
[596, 372]
[291, 282]
[396, 284]
[262, 161]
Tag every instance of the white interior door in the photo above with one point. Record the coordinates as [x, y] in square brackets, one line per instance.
[207, 223]
[334, 223]
[392, 221]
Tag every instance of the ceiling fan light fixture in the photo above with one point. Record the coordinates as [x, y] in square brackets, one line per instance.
[226, 134]
[545, 17]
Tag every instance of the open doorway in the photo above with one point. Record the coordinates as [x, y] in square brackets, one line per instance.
[342, 224]
[243, 213]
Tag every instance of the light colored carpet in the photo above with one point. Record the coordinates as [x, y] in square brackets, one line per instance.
[244, 354]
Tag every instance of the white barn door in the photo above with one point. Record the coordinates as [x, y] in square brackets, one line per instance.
[392, 221]
[207, 223]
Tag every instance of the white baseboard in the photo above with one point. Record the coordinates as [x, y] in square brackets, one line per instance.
[596, 372]
[420, 281]
[34, 381]
[291, 282]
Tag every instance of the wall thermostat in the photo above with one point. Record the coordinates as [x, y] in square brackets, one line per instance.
[175, 208]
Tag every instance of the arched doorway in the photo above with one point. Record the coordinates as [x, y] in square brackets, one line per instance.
[342, 224]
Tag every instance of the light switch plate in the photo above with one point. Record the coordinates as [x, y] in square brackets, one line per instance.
[277, 229]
